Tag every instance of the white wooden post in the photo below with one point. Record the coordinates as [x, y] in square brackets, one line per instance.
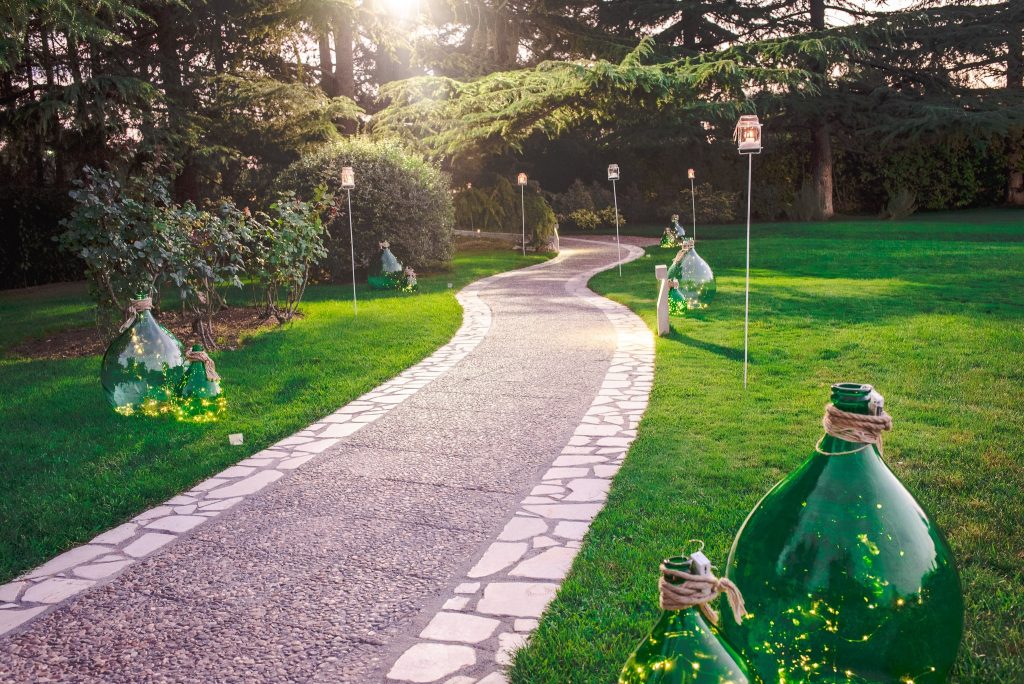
[661, 273]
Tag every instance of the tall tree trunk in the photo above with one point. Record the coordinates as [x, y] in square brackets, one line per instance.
[821, 138]
[328, 83]
[343, 53]
[1015, 81]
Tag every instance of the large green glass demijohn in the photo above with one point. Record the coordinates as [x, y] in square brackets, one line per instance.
[201, 398]
[143, 365]
[696, 283]
[389, 277]
[683, 648]
[844, 575]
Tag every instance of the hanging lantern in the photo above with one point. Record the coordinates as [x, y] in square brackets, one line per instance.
[613, 172]
[201, 399]
[521, 179]
[696, 285]
[348, 178]
[748, 134]
[690, 174]
[143, 365]
[683, 648]
[843, 574]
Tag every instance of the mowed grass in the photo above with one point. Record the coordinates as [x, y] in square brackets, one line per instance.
[71, 468]
[928, 311]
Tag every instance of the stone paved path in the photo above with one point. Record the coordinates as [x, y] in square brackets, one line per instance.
[371, 551]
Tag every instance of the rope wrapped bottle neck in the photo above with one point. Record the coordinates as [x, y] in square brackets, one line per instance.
[857, 427]
[204, 358]
[135, 307]
[698, 591]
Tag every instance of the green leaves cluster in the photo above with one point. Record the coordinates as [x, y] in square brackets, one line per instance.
[135, 240]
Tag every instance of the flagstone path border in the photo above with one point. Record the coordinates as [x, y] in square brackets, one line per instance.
[491, 613]
[65, 577]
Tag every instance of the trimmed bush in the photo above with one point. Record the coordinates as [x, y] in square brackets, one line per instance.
[399, 197]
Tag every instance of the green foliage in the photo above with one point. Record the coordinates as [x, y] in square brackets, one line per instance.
[585, 207]
[398, 197]
[289, 243]
[500, 209]
[123, 234]
[713, 206]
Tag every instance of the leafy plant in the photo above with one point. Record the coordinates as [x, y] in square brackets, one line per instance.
[398, 196]
[123, 235]
[289, 242]
[805, 204]
[713, 206]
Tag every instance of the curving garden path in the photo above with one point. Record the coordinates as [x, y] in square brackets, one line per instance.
[416, 534]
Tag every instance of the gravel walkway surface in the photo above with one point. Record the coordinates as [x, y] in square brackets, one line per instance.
[324, 569]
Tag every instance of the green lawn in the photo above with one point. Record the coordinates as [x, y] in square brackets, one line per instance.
[71, 468]
[928, 310]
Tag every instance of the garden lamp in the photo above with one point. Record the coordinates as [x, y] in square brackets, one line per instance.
[613, 175]
[748, 139]
[693, 201]
[348, 182]
[521, 182]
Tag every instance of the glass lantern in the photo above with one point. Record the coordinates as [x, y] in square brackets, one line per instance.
[690, 174]
[613, 172]
[201, 399]
[748, 134]
[696, 282]
[521, 179]
[683, 648]
[844, 576]
[348, 178]
[143, 366]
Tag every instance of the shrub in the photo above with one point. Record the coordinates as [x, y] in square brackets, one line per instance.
[585, 207]
[398, 197]
[209, 251]
[290, 242]
[122, 233]
[713, 206]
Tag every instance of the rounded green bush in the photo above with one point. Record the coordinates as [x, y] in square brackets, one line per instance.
[398, 197]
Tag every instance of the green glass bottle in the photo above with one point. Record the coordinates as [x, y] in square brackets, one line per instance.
[697, 285]
[143, 365]
[844, 576]
[683, 648]
[201, 399]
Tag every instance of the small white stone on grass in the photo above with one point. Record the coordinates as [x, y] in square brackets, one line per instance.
[429, 662]
[236, 439]
[469, 629]
[498, 556]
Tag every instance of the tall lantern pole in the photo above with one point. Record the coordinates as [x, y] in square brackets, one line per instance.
[748, 138]
[521, 181]
[693, 201]
[348, 181]
[613, 175]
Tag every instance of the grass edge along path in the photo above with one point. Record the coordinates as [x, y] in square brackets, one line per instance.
[929, 314]
[71, 468]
